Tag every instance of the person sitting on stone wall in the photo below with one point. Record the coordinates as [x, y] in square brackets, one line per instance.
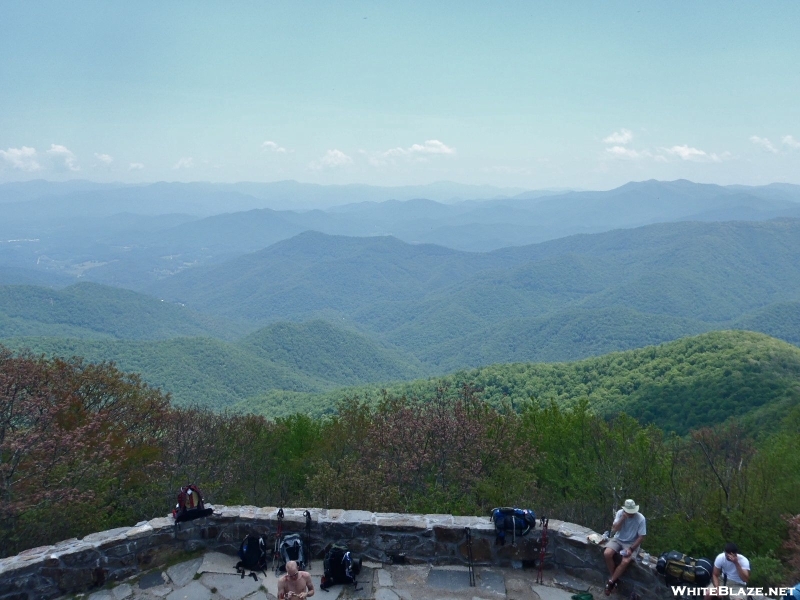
[731, 570]
[630, 527]
[295, 583]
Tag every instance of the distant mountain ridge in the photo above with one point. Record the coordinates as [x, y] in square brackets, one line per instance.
[131, 236]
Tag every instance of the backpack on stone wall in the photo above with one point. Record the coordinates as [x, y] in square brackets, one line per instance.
[190, 504]
[518, 521]
[252, 554]
[339, 566]
[678, 568]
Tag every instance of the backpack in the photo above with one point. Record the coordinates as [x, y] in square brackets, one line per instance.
[252, 554]
[519, 521]
[190, 504]
[679, 568]
[291, 548]
[339, 566]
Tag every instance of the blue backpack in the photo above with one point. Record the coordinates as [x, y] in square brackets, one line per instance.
[519, 521]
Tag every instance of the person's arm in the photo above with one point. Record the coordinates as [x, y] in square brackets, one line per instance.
[715, 576]
[281, 589]
[744, 574]
[637, 543]
[617, 525]
[309, 587]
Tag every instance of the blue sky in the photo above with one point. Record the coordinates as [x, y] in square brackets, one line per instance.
[527, 94]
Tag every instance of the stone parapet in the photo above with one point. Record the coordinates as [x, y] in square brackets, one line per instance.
[111, 556]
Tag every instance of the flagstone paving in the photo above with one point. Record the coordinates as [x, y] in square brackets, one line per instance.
[214, 577]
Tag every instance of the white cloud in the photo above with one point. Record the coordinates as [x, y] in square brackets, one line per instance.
[273, 147]
[135, 167]
[790, 141]
[184, 163]
[623, 152]
[764, 143]
[414, 153]
[623, 136]
[428, 147]
[104, 158]
[23, 159]
[695, 154]
[62, 153]
[332, 159]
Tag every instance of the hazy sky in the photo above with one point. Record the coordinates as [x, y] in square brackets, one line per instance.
[555, 94]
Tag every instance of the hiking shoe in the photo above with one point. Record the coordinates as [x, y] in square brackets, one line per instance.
[610, 585]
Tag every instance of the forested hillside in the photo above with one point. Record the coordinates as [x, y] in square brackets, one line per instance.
[98, 311]
[678, 386]
[307, 357]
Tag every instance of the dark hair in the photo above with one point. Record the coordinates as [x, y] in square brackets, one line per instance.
[732, 548]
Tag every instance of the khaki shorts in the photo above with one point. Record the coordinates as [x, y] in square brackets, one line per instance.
[617, 546]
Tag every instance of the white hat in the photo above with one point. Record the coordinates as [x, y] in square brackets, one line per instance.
[630, 507]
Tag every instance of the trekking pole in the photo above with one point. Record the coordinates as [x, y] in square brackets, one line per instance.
[307, 515]
[471, 566]
[542, 550]
[278, 534]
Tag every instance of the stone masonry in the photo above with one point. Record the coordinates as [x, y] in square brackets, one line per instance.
[74, 566]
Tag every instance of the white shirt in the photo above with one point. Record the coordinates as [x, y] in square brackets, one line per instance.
[729, 568]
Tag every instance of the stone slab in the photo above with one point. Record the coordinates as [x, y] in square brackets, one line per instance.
[230, 587]
[102, 595]
[571, 583]
[489, 580]
[151, 580]
[365, 589]
[216, 562]
[448, 579]
[182, 573]
[386, 594]
[384, 578]
[269, 582]
[357, 516]
[551, 593]
[160, 591]
[193, 591]
[122, 591]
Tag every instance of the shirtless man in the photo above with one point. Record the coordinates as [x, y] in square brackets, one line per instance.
[295, 584]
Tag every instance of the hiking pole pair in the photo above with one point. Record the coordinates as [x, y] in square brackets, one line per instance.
[471, 566]
[307, 557]
[542, 550]
[276, 551]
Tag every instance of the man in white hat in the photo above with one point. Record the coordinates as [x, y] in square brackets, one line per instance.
[630, 528]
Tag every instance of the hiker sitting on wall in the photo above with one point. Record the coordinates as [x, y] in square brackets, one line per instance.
[732, 570]
[630, 528]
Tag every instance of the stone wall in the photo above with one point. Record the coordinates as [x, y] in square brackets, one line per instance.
[109, 556]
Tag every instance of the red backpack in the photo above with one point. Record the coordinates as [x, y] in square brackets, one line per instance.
[190, 504]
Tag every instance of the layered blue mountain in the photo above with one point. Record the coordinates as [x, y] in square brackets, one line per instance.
[131, 236]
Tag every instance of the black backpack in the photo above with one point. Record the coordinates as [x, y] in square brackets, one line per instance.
[190, 505]
[252, 554]
[678, 568]
[291, 548]
[339, 566]
[519, 521]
